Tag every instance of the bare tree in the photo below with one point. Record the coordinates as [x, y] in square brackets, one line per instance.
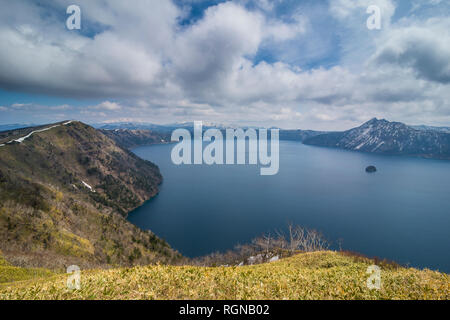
[298, 239]
[303, 239]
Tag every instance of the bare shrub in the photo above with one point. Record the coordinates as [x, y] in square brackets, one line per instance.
[262, 249]
[303, 239]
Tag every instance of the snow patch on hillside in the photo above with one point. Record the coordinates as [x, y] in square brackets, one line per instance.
[88, 186]
[22, 139]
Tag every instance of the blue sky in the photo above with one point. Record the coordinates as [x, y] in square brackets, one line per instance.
[288, 63]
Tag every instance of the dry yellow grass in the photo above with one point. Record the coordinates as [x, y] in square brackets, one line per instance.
[9, 273]
[320, 275]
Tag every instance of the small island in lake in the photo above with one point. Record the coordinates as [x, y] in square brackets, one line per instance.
[371, 169]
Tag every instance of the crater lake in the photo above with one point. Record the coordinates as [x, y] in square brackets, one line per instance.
[401, 212]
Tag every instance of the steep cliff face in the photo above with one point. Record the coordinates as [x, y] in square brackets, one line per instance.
[381, 136]
[64, 192]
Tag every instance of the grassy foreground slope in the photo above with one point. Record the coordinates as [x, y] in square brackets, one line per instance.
[319, 275]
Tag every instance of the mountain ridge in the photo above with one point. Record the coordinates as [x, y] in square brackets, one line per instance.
[385, 137]
[76, 185]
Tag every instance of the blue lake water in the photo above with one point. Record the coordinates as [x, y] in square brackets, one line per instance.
[401, 212]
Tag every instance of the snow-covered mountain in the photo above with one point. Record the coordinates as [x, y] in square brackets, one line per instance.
[382, 136]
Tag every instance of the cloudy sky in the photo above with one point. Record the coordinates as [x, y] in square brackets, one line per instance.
[290, 63]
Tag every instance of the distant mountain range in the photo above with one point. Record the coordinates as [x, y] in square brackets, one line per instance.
[384, 137]
[430, 128]
[299, 135]
[166, 128]
[6, 127]
[375, 136]
[139, 126]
